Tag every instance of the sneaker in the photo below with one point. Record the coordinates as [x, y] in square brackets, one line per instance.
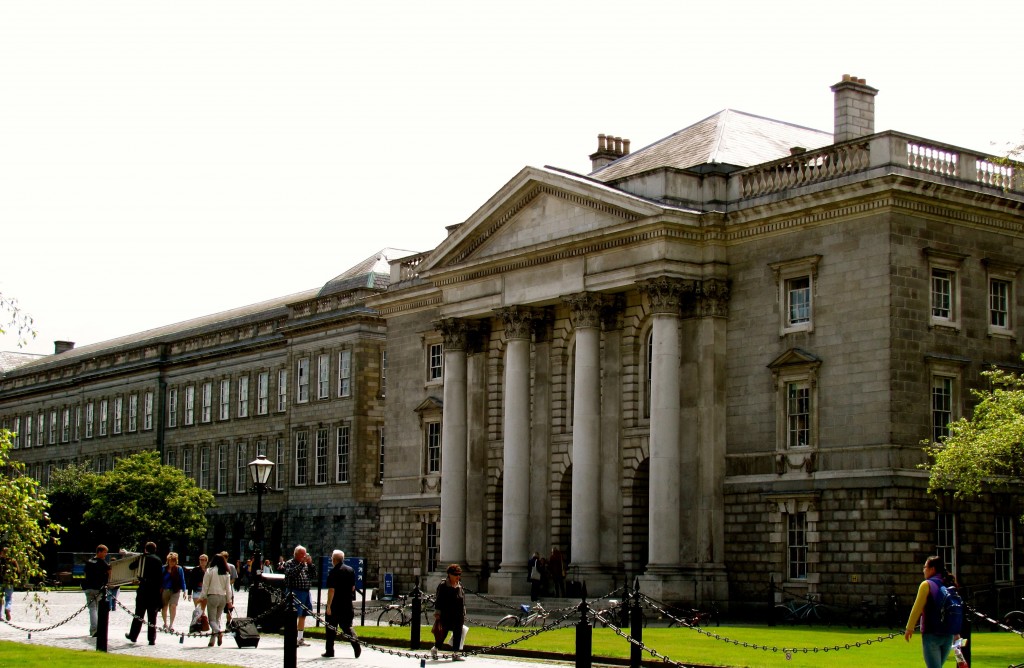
[302, 643]
[433, 653]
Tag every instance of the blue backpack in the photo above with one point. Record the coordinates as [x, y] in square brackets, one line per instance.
[950, 609]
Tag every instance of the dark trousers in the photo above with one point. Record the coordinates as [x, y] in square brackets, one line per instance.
[345, 625]
[456, 630]
[145, 605]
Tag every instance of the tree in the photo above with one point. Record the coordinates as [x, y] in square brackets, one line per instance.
[70, 490]
[142, 499]
[19, 321]
[25, 525]
[986, 449]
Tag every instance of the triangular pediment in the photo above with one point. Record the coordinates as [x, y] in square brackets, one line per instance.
[536, 208]
[428, 405]
[795, 357]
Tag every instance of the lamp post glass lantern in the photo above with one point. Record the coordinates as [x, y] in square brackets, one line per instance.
[260, 469]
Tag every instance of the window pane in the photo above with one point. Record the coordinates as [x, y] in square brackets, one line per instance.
[798, 300]
[942, 406]
[798, 414]
[942, 293]
[797, 535]
[999, 303]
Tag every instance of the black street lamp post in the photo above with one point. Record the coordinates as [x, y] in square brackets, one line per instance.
[259, 469]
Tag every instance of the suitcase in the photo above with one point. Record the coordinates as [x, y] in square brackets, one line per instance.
[244, 630]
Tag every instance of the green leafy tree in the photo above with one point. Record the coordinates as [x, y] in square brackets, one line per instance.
[25, 525]
[70, 490]
[986, 449]
[142, 499]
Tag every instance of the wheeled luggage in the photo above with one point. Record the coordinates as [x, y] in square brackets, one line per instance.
[245, 632]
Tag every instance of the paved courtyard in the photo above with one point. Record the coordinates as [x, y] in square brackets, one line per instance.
[75, 635]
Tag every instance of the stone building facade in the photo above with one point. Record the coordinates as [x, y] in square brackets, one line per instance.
[298, 379]
[709, 364]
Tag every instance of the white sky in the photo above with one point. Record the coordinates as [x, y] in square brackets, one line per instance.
[161, 161]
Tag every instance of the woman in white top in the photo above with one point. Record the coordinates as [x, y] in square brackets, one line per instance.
[218, 593]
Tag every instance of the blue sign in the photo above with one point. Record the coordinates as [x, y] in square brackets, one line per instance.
[358, 564]
[389, 584]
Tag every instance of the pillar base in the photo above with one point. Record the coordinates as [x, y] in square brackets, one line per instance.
[693, 585]
[508, 583]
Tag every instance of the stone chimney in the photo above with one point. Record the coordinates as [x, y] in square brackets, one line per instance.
[62, 346]
[854, 109]
[609, 149]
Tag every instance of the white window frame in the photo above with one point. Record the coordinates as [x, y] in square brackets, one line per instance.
[204, 467]
[944, 270]
[279, 468]
[41, 430]
[943, 374]
[795, 369]
[225, 399]
[380, 457]
[263, 393]
[431, 546]
[133, 412]
[241, 467]
[118, 414]
[345, 372]
[28, 430]
[945, 539]
[170, 457]
[302, 381]
[301, 458]
[147, 411]
[103, 417]
[432, 439]
[16, 441]
[320, 458]
[800, 558]
[53, 426]
[65, 425]
[243, 396]
[343, 446]
[786, 273]
[1001, 306]
[186, 462]
[383, 372]
[1002, 567]
[323, 376]
[172, 407]
[78, 422]
[90, 414]
[282, 390]
[190, 405]
[435, 362]
[222, 468]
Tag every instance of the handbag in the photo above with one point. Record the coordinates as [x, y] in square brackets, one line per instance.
[535, 573]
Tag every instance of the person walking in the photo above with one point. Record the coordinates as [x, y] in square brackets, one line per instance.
[556, 566]
[97, 573]
[341, 591]
[172, 584]
[449, 612]
[147, 598]
[936, 642]
[194, 582]
[219, 594]
[533, 574]
[298, 578]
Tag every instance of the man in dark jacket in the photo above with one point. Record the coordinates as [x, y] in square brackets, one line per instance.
[341, 591]
[97, 572]
[147, 599]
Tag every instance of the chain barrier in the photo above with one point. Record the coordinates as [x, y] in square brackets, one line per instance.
[994, 622]
[52, 626]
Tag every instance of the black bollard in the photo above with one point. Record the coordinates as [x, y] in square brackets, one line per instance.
[417, 605]
[636, 624]
[771, 600]
[291, 635]
[102, 620]
[584, 635]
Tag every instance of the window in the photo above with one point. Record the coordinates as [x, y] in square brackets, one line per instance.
[186, 462]
[53, 427]
[190, 405]
[320, 471]
[942, 406]
[41, 431]
[433, 447]
[945, 539]
[435, 361]
[65, 426]
[323, 376]
[302, 372]
[89, 414]
[383, 372]
[282, 389]
[797, 546]
[243, 397]
[207, 413]
[1001, 297]
[147, 411]
[78, 422]
[432, 546]
[222, 469]
[172, 407]
[341, 465]
[345, 373]
[16, 441]
[133, 412]
[263, 393]
[279, 469]
[261, 449]
[796, 282]
[1004, 548]
[241, 467]
[28, 431]
[204, 467]
[118, 414]
[380, 459]
[101, 464]
[301, 457]
[170, 457]
[225, 398]
[944, 287]
[795, 374]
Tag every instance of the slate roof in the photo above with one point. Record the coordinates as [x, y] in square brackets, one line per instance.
[11, 360]
[374, 272]
[728, 138]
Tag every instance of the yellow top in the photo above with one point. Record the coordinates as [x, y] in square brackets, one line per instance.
[923, 592]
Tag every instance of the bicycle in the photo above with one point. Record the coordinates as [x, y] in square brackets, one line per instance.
[617, 613]
[1015, 620]
[399, 612]
[693, 616]
[534, 615]
[809, 612]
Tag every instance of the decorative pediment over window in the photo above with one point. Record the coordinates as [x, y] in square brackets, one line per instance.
[429, 405]
[795, 359]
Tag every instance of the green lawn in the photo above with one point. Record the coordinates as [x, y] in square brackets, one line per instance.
[36, 656]
[689, 646]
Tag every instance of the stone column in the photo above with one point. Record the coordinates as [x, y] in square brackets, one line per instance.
[515, 498]
[664, 295]
[586, 429]
[454, 433]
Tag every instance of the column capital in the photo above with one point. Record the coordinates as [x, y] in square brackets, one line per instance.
[455, 333]
[666, 294]
[714, 298]
[586, 309]
[518, 321]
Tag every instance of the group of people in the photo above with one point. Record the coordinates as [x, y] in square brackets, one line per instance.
[546, 576]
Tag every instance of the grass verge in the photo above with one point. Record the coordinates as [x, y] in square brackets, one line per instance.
[40, 656]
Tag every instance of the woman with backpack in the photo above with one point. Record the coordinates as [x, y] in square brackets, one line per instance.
[937, 628]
